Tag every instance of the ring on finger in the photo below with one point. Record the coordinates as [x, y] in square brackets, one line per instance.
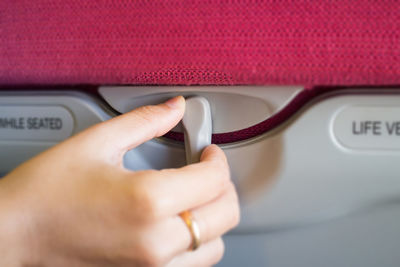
[193, 228]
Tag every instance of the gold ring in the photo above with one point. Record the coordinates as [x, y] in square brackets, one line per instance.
[193, 228]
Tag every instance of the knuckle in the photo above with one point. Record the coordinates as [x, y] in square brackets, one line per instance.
[235, 216]
[235, 207]
[145, 114]
[145, 111]
[218, 251]
[232, 217]
[150, 206]
[204, 228]
[145, 200]
[224, 168]
[221, 168]
[152, 255]
[151, 259]
[148, 113]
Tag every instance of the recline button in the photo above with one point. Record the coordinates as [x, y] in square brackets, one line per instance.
[35, 123]
[368, 127]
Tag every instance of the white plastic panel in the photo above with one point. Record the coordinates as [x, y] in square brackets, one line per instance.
[77, 111]
[369, 239]
[307, 198]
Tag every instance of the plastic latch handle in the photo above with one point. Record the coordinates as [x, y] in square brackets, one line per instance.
[197, 124]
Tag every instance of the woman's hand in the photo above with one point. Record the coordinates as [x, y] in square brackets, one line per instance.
[76, 205]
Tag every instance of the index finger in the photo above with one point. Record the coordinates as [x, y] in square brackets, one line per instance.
[126, 131]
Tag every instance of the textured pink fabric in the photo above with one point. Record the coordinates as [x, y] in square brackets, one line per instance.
[199, 42]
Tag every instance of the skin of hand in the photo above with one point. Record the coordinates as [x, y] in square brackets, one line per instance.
[76, 205]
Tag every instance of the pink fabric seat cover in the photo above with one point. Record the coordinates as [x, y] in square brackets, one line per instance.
[200, 42]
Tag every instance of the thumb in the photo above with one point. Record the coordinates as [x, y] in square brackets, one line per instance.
[131, 129]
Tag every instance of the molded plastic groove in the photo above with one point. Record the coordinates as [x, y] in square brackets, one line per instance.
[267, 125]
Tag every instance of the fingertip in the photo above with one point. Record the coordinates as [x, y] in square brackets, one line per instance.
[209, 150]
[213, 152]
[177, 102]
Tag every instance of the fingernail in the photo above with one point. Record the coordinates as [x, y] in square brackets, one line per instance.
[174, 102]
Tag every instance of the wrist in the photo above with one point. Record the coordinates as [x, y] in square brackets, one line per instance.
[15, 228]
